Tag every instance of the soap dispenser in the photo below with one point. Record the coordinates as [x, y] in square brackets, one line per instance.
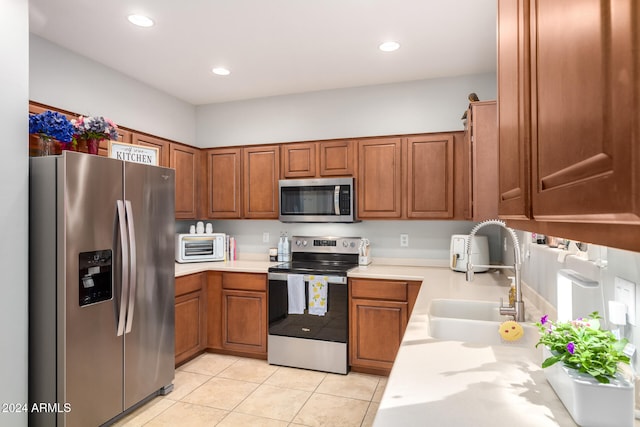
[512, 292]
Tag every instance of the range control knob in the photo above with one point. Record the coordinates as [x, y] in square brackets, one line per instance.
[304, 243]
[298, 242]
[345, 243]
[352, 244]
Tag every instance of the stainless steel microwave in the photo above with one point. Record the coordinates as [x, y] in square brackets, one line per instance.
[317, 200]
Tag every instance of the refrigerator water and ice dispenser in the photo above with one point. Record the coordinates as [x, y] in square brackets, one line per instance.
[95, 277]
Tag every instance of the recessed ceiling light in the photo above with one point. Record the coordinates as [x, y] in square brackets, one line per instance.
[221, 71]
[389, 46]
[140, 20]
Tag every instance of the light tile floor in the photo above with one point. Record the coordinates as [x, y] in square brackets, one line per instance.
[227, 391]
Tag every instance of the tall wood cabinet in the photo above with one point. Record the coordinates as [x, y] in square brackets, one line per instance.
[480, 161]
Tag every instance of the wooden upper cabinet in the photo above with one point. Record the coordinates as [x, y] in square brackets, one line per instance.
[318, 159]
[299, 160]
[261, 170]
[584, 89]
[430, 176]
[186, 162]
[380, 178]
[481, 161]
[337, 158]
[151, 141]
[514, 109]
[224, 193]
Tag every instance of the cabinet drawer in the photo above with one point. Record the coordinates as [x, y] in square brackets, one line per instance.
[379, 289]
[190, 283]
[244, 281]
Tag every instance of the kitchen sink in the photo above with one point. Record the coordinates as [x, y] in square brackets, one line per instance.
[474, 322]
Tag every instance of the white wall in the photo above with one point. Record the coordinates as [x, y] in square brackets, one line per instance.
[433, 105]
[428, 240]
[63, 79]
[14, 190]
[604, 264]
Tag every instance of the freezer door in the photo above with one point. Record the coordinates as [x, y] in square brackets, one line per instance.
[88, 296]
[149, 334]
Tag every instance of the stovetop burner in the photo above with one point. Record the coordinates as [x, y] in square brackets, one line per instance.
[320, 255]
[309, 267]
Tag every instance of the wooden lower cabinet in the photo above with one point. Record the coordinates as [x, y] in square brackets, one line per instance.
[378, 314]
[244, 320]
[237, 313]
[190, 319]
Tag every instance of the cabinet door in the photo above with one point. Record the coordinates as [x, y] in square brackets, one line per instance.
[337, 158]
[380, 178]
[150, 141]
[584, 89]
[483, 146]
[514, 109]
[299, 160]
[377, 328]
[185, 160]
[430, 176]
[189, 316]
[261, 169]
[244, 317]
[223, 183]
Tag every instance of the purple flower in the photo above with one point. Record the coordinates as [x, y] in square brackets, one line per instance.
[544, 319]
[571, 347]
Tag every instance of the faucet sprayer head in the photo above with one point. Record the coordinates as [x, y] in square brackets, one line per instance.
[469, 272]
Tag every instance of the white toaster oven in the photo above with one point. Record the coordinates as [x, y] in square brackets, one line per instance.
[200, 247]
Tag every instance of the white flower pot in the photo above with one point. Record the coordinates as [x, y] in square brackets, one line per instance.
[589, 402]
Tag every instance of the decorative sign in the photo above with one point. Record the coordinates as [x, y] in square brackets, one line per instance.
[133, 153]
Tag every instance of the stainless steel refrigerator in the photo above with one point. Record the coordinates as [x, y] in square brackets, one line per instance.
[101, 287]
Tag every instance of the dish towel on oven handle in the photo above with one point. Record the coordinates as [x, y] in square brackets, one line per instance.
[318, 287]
[295, 293]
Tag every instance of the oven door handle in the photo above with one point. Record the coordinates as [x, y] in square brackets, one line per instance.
[333, 280]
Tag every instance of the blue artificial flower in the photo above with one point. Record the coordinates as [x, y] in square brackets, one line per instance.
[51, 124]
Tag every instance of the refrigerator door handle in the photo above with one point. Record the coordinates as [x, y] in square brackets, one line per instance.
[133, 278]
[125, 268]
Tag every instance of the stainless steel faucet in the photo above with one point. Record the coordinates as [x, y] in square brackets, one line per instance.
[517, 310]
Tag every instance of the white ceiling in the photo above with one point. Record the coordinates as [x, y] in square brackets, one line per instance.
[273, 47]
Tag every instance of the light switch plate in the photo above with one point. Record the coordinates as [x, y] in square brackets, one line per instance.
[265, 237]
[625, 292]
[404, 240]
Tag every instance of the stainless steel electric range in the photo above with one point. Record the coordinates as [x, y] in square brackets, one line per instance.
[308, 304]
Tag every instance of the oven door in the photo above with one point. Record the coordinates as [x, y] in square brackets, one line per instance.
[332, 326]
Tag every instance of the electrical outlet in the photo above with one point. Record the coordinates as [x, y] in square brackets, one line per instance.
[404, 240]
[625, 292]
[265, 237]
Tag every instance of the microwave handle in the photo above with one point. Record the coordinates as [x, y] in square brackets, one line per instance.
[336, 200]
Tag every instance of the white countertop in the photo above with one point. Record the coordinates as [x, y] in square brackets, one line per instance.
[449, 383]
